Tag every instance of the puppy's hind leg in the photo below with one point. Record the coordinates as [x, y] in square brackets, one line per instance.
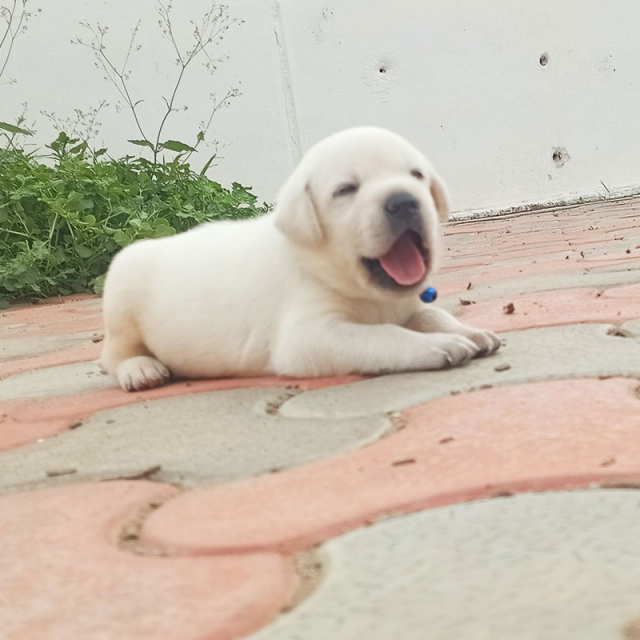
[125, 356]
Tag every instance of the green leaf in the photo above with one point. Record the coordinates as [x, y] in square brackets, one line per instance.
[79, 148]
[121, 238]
[11, 128]
[76, 202]
[98, 284]
[206, 166]
[176, 145]
[83, 251]
[163, 232]
[142, 143]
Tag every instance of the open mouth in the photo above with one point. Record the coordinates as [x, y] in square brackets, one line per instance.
[404, 265]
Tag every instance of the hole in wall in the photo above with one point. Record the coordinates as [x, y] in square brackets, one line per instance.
[544, 59]
[382, 69]
[560, 156]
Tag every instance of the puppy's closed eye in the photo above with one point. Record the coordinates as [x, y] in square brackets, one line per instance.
[346, 189]
[416, 173]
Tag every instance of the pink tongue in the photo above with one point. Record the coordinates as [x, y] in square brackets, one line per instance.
[404, 263]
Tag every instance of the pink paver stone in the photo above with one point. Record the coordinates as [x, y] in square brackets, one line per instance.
[84, 353]
[544, 436]
[496, 273]
[62, 575]
[59, 315]
[554, 308]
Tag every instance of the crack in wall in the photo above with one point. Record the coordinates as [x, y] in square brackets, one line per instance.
[287, 83]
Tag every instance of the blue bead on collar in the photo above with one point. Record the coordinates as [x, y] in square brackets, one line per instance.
[429, 295]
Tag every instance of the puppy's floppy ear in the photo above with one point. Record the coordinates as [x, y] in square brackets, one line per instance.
[295, 212]
[440, 197]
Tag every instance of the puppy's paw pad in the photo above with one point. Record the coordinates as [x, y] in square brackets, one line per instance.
[142, 372]
[486, 341]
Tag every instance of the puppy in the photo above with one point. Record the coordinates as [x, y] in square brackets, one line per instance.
[326, 284]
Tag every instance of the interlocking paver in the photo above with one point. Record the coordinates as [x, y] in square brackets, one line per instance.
[63, 315]
[540, 276]
[550, 435]
[563, 565]
[214, 437]
[64, 576]
[537, 354]
[555, 409]
[554, 308]
[30, 419]
[66, 380]
[87, 351]
[530, 282]
[12, 349]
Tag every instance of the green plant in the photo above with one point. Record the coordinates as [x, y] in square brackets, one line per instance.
[62, 222]
[65, 214]
[205, 34]
[15, 18]
[84, 125]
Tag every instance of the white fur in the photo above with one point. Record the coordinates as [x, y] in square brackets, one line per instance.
[287, 293]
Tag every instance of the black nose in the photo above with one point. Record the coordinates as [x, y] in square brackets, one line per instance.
[400, 205]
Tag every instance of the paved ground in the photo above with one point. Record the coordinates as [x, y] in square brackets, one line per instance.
[500, 501]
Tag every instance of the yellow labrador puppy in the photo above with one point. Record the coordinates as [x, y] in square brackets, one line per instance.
[328, 283]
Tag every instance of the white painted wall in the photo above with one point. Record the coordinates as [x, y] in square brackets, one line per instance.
[461, 78]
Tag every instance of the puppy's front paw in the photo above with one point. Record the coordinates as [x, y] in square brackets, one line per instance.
[142, 372]
[452, 350]
[486, 341]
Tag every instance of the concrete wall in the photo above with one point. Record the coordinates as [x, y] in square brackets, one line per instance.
[463, 79]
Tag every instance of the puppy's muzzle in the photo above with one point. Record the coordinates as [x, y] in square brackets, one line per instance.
[406, 261]
[403, 212]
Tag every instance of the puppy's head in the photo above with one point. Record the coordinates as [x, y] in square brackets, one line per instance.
[364, 206]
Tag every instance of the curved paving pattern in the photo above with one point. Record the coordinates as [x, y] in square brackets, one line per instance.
[12, 349]
[551, 435]
[28, 419]
[215, 437]
[65, 380]
[615, 306]
[61, 356]
[271, 467]
[528, 356]
[62, 315]
[64, 576]
[563, 565]
[529, 282]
